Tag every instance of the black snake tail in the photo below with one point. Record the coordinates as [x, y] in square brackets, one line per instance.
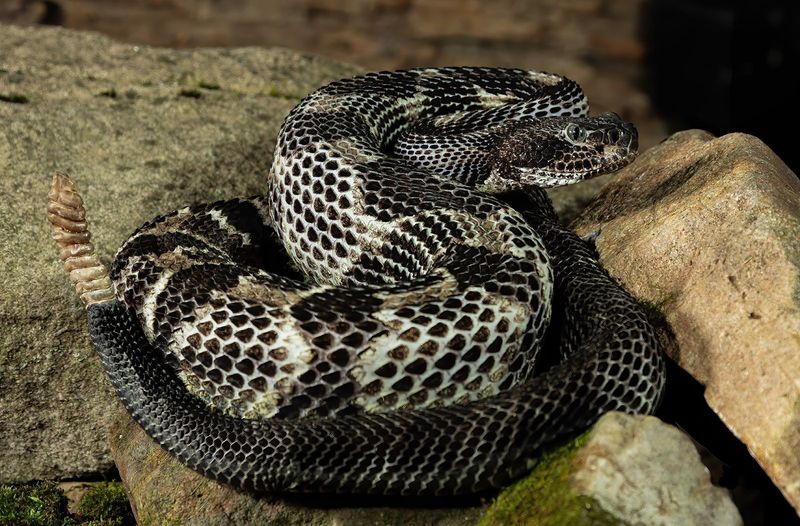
[613, 363]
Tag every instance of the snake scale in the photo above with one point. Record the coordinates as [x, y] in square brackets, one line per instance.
[433, 327]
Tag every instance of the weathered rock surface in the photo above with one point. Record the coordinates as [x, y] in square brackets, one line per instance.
[707, 230]
[625, 470]
[143, 131]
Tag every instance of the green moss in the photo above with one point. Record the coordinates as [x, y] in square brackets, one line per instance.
[155, 516]
[545, 497]
[44, 504]
[14, 98]
[105, 503]
[207, 85]
[40, 504]
[110, 93]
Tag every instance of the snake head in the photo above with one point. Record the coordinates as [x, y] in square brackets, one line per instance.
[556, 151]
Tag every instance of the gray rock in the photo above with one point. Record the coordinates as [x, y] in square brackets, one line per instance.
[143, 131]
[648, 472]
[625, 470]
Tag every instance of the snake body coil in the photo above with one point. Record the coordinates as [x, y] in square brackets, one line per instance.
[405, 361]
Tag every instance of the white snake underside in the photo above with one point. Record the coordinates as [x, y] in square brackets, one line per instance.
[419, 289]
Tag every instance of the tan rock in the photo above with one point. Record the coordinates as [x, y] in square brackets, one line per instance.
[143, 131]
[707, 230]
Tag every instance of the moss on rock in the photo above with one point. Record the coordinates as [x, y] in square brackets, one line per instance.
[545, 497]
[39, 504]
[105, 503]
[45, 504]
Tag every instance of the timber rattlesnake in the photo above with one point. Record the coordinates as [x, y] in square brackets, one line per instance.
[411, 343]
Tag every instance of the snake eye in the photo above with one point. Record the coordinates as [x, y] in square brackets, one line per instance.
[575, 133]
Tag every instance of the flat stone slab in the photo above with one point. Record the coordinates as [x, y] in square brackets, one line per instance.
[143, 131]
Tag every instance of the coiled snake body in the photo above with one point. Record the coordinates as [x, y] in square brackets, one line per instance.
[405, 361]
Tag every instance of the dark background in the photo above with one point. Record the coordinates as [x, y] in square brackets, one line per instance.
[726, 66]
[665, 65]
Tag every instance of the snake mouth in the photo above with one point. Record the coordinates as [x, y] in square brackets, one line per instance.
[617, 157]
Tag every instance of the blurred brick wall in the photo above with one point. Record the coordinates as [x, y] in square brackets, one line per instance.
[596, 42]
